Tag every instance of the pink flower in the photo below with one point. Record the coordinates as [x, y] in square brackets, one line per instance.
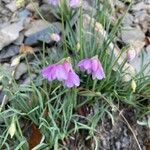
[75, 3]
[92, 66]
[54, 2]
[62, 72]
[72, 80]
[55, 37]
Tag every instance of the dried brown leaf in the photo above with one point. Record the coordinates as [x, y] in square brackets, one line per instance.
[35, 137]
[25, 49]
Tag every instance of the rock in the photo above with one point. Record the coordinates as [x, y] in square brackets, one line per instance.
[27, 81]
[87, 8]
[6, 1]
[46, 2]
[138, 61]
[20, 39]
[1, 96]
[32, 6]
[12, 6]
[24, 14]
[140, 6]
[10, 33]
[125, 142]
[147, 2]
[21, 69]
[132, 34]
[118, 145]
[43, 35]
[128, 20]
[36, 26]
[45, 10]
[33, 39]
[8, 68]
[148, 48]
[8, 52]
[140, 16]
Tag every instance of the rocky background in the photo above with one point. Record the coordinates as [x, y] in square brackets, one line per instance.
[22, 29]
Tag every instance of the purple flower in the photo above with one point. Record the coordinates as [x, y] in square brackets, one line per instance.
[55, 37]
[62, 72]
[92, 66]
[75, 3]
[72, 80]
[54, 2]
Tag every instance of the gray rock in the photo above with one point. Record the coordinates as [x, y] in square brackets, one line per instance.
[27, 81]
[125, 142]
[12, 6]
[148, 49]
[43, 35]
[24, 14]
[140, 6]
[118, 145]
[36, 26]
[33, 6]
[21, 69]
[147, 2]
[6, 1]
[132, 34]
[1, 96]
[128, 20]
[8, 68]
[140, 16]
[39, 36]
[137, 62]
[88, 9]
[8, 52]
[10, 33]
[20, 39]
[45, 1]
[45, 10]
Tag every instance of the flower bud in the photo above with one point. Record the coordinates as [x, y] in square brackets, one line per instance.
[133, 85]
[12, 128]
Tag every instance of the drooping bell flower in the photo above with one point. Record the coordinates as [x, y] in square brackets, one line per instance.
[62, 71]
[53, 2]
[75, 3]
[92, 66]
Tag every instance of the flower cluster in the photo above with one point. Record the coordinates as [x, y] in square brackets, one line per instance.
[92, 66]
[72, 3]
[64, 72]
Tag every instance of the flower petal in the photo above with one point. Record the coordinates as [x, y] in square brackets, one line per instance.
[61, 73]
[95, 64]
[99, 73]
[48, 72]
[85, 65]
[72, 80]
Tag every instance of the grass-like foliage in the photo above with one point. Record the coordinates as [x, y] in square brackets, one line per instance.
[62, 113]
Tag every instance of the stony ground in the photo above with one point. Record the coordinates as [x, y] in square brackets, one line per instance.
[24, 26]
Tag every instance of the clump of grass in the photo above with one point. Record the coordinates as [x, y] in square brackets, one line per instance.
[61, 113]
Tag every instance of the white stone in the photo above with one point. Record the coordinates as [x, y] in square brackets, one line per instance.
[129, 34]
[146, 59]
[12, 6]
[36, 26]
[10, 33]
[33, 6]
